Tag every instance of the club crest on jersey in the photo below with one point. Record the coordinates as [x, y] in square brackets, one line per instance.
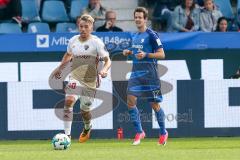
[142, 40]
[86, 47]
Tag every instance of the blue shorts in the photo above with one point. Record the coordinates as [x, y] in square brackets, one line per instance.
[145, 89]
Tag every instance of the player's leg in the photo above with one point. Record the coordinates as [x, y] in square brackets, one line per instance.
[160, 116]
[86, 100]
[85, 135]
[135, 118]
[68, 113]
[70, 99]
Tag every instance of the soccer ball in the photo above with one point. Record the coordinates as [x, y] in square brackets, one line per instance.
[61, 141]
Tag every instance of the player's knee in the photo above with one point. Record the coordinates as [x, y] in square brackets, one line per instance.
[86, 115]
[69, 101]
[85, 105]
[131, 104]
[131, 101]
[155, 106]
[85, 108]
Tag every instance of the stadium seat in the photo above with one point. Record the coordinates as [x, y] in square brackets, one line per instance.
[54, 11]
[30, 11]
[77, 6]
[238, 12]
[66, 27]
[9, 28]
[225, 7]
[38, 27]
[238, 5]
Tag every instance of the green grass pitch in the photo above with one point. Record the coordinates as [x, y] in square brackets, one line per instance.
[176, 149]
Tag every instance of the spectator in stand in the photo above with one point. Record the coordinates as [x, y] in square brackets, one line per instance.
[67, 4]
[185, 17]
[200, 3]
[11, 10]
[222, 25]
[109, 24]
[162, 13]
[209, 17]
[97, 11]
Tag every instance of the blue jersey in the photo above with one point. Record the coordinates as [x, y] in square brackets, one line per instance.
[144, 80]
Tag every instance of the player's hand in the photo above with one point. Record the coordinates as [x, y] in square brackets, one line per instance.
[103, 73]
[127, 52]
[141, 55]
[57, 74]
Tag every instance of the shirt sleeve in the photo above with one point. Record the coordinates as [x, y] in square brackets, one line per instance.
[155, 40]
[101, 49]
[69, 46]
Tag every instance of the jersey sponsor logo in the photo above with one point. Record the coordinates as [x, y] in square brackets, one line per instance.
[83, 56]
[137, 46]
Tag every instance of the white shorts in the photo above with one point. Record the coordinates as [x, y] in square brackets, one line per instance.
[85, 94]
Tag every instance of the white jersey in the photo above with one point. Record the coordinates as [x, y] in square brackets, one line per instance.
[85, 59]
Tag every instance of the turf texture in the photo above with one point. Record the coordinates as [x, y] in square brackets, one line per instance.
[227, 148]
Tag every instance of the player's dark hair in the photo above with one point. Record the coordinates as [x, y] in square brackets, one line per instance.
[143, 10]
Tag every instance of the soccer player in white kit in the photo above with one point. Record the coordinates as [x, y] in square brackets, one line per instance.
[84, 52]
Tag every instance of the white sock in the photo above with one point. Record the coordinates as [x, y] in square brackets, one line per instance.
[87, 126]
[68, 117]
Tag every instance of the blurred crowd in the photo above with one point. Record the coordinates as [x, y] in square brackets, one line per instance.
[167, 15]
[11, 11]
[192, 15]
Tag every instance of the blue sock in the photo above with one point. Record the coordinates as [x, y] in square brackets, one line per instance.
[135, 119]
[161, 121]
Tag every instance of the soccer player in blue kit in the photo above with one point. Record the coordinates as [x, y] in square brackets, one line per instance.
[144, 81]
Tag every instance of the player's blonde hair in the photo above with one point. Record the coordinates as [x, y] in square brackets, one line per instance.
[87, 18]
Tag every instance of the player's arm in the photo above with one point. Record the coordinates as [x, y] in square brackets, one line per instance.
[127, 52]
[66, 58]
[159, 54]
[102, 52]
[68, 55]
[157, 47]
[107, 64]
